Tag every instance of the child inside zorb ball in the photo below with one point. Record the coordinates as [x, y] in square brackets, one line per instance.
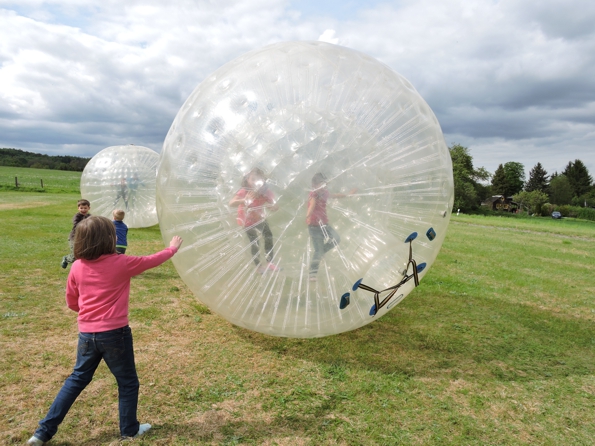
[251, 200]
[322, 234]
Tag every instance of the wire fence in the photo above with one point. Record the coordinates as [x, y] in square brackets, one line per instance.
[39, 179]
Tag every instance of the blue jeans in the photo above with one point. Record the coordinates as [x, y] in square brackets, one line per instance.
[115, 348]
[320, 247]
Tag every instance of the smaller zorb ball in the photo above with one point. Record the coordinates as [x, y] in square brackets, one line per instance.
[122, 177]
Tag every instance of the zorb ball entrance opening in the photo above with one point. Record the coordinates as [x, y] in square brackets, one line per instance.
[123, 177]
[312, 187]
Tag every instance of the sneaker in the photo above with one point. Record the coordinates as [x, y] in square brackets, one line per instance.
[142, 429]
[261, 269]
[313, 278]
[64, 262]
[273, 267]
[34, 441]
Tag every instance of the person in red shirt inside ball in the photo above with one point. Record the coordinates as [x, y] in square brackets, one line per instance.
[252, 200]
[323, 236]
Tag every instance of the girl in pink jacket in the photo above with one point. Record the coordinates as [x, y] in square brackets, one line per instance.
[98, 289]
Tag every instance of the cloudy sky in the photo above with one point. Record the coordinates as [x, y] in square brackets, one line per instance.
[513, 80]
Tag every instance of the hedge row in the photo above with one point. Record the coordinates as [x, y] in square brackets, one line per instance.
[569, 211]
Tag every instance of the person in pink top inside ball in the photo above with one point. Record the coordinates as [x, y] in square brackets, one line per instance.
[98, 289]
[322, 234]
[251, 200]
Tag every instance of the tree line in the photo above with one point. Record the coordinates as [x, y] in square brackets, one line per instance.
[539, 194]
[20, 158]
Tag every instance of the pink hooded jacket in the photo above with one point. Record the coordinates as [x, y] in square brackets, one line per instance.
[99, 290]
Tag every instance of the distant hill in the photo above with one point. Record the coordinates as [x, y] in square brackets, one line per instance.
[20, 158]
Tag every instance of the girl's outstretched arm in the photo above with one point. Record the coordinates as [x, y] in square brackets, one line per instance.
[176, 242]
[137, 265]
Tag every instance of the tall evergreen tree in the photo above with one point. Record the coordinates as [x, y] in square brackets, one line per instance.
[538, 179]
[499, 181]
[578, 177]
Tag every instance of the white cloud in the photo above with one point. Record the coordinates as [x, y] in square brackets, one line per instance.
[508, 78]
[329, 36]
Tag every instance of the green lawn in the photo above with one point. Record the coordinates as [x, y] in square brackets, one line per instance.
[571, 227]
[495, 347]
[32, 179]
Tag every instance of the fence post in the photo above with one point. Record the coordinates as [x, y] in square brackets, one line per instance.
[16, 182]
[41, 183]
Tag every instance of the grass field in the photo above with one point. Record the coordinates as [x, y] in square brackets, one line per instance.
[495, 347]
[54, 181]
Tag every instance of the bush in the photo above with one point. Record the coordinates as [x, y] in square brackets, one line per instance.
[483, 210]
[532, 201]
[547, 209]
[565, 210]
[586, 213]
[576, 212]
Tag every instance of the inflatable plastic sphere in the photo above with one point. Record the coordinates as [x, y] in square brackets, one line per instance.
[312, 187]
[123, 177]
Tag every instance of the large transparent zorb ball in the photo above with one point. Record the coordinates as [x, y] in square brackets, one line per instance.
[122, 177]
[312, 187]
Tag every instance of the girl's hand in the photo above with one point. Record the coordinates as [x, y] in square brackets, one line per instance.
[176, 242]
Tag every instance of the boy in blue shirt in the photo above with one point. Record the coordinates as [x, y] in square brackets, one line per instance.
[121, 231]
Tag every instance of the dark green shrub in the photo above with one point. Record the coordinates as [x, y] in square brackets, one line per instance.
[564, 210]
[547, 209]
[586, 213]
[576, 212]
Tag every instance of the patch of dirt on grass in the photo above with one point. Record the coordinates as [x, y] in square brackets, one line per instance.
[22, 205]
[288, 441]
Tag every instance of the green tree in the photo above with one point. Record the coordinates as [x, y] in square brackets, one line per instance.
[499, 186]
[532, 201]
[468, 190]
[508, 179]
[20, 158]
[560, 190]
[578, 177]
[515, 177]
[538, 179]
[589, 198]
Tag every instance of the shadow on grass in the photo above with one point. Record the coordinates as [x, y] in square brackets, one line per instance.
[216, 428]
[219, 430]
[106, 438]
[451, 336]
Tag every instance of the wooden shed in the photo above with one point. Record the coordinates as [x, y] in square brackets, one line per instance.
[500, 203]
